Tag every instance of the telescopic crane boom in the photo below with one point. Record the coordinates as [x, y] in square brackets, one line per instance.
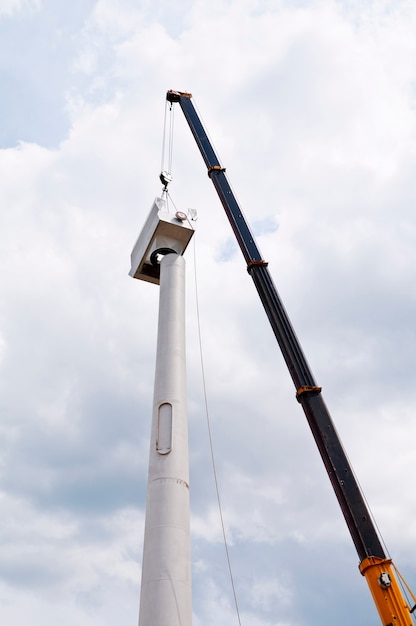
[374, 565]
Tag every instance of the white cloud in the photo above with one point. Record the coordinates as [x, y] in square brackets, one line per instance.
[312, 109]
[9, 7]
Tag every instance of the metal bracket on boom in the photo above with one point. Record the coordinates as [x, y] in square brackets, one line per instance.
[215, 168]
[307, 389]
[253, 263]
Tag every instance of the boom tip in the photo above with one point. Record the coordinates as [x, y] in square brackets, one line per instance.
[175, 96]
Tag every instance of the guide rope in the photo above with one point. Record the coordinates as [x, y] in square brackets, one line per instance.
[217, 490]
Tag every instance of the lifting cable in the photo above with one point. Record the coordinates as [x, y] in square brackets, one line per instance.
[383, 543]
[166, 161]
[211, 443]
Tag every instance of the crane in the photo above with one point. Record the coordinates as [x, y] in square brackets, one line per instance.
[374, 565]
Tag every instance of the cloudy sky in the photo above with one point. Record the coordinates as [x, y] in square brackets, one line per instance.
[311, 106]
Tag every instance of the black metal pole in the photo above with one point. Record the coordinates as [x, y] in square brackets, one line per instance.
[347, 491]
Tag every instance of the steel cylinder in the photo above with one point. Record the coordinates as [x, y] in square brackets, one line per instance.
[165, 598]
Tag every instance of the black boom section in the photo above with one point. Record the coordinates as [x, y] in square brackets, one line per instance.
[349, 495]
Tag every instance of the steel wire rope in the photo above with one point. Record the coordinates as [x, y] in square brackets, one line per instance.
[162, 164]
[205, 129]
[362, 493]
[167, 138]
[401, 580]
[171, 129]
[383, 543]
[211, 446]
[169, 199]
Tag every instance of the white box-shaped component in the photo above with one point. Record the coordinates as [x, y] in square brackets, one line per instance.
[161, 231]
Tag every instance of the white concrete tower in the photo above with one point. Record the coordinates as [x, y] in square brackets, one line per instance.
[166, 572]
[165, 598]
